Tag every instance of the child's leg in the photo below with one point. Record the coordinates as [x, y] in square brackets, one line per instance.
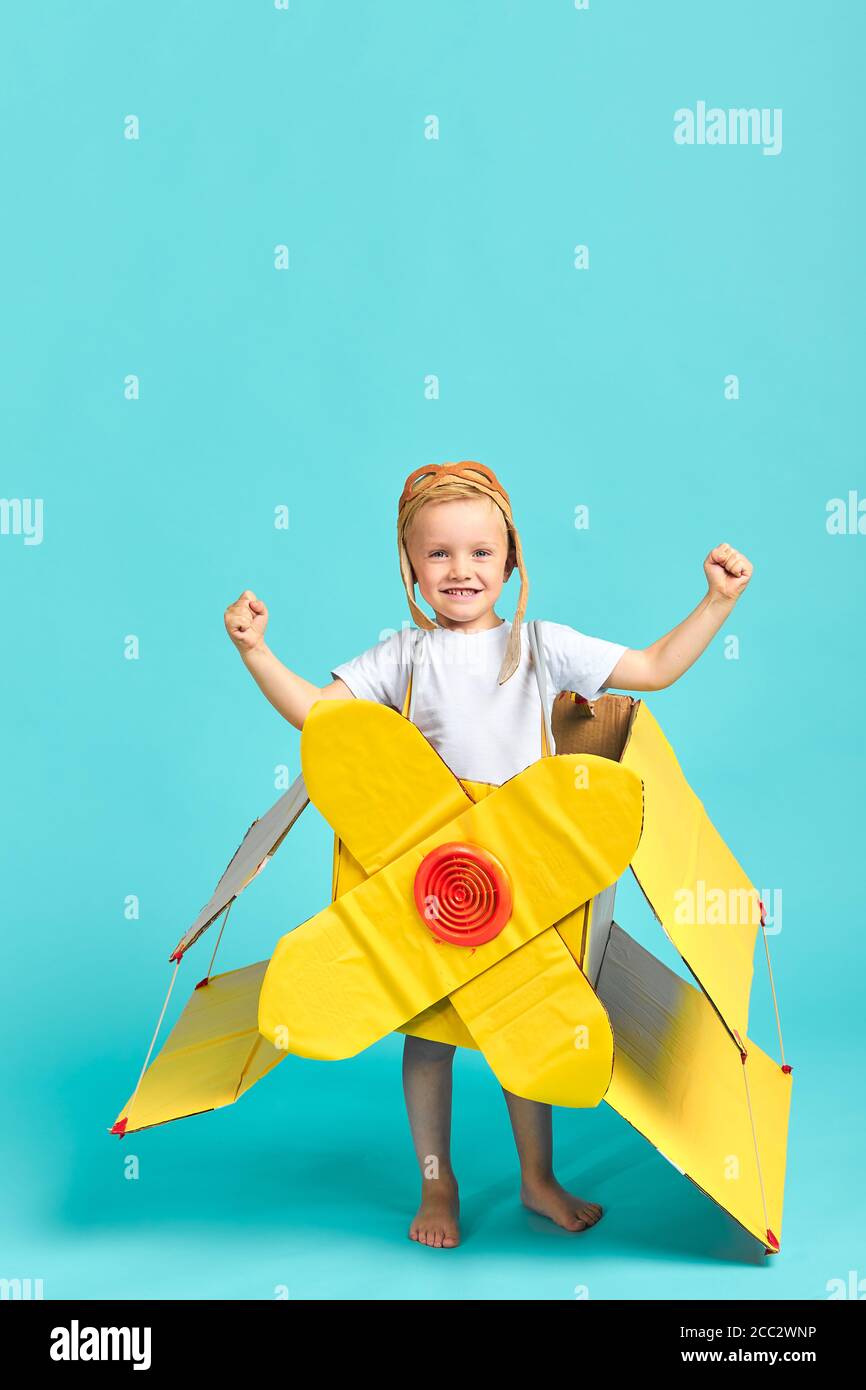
[532, 1123]
[427, 1070]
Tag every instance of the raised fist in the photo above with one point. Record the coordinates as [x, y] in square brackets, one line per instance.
[246, 620]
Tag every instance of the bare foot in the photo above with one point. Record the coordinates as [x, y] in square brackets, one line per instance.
[435, 1221]
[547, 1197]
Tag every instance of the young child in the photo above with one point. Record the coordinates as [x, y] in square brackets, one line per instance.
[475, 699]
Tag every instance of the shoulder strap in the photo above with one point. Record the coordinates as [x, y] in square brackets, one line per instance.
[540, 666]
[408, 701]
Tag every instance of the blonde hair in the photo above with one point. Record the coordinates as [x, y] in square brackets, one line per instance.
[455, 491]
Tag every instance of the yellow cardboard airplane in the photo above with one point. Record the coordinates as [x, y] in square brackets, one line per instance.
[482, 916]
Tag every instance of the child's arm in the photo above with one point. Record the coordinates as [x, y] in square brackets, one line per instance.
[659, 665]
[291, 695]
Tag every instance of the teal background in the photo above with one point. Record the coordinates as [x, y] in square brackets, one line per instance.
[306, 388]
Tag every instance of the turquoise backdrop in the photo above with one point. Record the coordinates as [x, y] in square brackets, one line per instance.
[166, 388]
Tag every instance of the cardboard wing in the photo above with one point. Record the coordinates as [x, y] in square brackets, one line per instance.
[260, 843]
[686, 1075]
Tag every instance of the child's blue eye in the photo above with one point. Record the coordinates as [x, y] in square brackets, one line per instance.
[434, 553]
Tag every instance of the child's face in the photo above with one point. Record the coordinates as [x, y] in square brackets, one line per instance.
[460, 554]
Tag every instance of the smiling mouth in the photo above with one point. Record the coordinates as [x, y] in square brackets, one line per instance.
[461, 593]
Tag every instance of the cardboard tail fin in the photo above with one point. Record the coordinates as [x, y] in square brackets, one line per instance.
[681, 1082]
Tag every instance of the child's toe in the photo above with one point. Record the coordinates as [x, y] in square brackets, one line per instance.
[590, 1214]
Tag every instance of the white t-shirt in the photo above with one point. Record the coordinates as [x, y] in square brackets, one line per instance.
[484, 731]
